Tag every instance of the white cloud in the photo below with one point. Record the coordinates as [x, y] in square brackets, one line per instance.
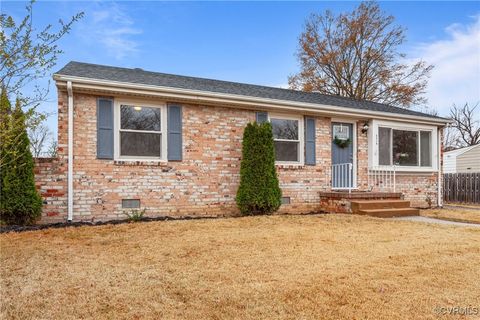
[456, 75]
[111, 27]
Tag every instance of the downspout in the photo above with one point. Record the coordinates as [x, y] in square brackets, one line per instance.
[70, 151]
[439, 167]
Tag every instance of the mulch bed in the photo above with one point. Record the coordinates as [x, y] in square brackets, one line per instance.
[20, 228]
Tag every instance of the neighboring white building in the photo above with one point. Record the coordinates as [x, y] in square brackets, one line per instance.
[462, 160]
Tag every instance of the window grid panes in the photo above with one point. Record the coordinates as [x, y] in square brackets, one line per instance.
[286, 139]
[140, 131]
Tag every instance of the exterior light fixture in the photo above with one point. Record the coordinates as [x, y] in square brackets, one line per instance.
[365, 127]
[137, 108]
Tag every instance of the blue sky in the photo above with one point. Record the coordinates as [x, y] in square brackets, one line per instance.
[255, 42]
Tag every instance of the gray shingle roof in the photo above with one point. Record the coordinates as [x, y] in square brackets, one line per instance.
[139, 76]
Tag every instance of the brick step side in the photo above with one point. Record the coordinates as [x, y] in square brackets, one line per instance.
[388, 213]
[378, 204]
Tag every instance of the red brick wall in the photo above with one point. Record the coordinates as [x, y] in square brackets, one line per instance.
[362, 157]
[204, 183]
[51, 182]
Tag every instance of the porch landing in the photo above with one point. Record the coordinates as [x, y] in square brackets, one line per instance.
[377, 204]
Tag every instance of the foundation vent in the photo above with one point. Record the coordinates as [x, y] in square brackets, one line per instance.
[130, 203]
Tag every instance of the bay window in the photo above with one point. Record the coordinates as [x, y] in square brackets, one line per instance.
[287, 136]
[407, 147]
[141, 132]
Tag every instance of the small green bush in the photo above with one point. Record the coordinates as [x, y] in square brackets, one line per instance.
[259, 191]
[20, 202]
[135, 215]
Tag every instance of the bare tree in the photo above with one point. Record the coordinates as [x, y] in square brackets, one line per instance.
[40, 137]
[356, 55]
[28, 55]
[52, 150]
[467, 124]
[451, 139]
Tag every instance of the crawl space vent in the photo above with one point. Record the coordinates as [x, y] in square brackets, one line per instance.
[130, 203]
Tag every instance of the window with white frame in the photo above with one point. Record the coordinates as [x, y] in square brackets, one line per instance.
[287, 135]
[141, 131]
[404, 147]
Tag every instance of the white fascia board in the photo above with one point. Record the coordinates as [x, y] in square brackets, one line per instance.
[237, 100]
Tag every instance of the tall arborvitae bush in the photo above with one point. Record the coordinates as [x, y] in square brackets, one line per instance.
[20, 202]
[259, 191]
[5, 132]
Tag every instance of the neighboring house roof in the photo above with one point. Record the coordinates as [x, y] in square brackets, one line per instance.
[457, 152]
[142, 77]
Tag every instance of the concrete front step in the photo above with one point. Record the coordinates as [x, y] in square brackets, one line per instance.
[357, 205]
[390, 212]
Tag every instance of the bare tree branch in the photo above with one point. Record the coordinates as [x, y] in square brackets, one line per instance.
[28, 55]
[40, 137]
[467, 123]
[355, 55]
[451, 139]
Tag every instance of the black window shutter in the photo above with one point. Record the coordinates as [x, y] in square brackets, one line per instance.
[310, 158]
[104, 128]
[174, 132]
[262, 117]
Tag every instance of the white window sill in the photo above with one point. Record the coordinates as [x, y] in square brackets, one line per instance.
[140, 162]
[404, 169]
[289, 164]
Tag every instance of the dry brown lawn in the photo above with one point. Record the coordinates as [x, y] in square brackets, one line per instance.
[277, 267]
[466, 214]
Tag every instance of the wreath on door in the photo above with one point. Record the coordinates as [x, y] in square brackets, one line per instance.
[342, 143]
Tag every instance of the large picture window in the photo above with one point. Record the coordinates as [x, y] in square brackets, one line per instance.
[407, 148]
[140, 131]
[286, 135]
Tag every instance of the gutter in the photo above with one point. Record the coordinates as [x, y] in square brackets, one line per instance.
[238, 100]
[70, 152]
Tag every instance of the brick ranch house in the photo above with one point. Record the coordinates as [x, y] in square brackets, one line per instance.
[171, 144]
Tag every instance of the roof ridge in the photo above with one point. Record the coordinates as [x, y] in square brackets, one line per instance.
[137, 69]
[147, 77]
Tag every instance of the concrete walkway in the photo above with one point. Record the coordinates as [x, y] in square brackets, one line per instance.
[437, 221]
